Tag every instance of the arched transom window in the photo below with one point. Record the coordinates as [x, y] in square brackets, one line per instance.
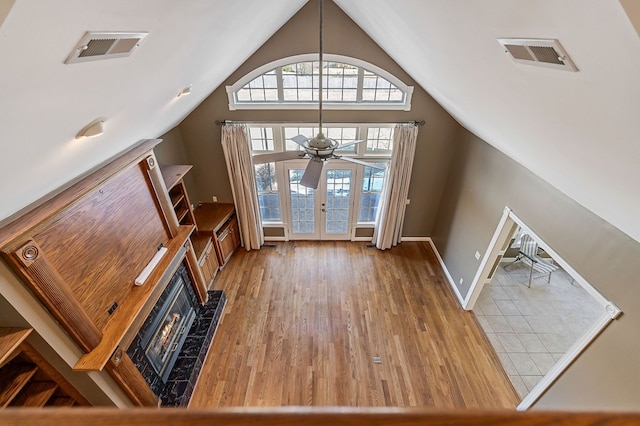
[292, 83]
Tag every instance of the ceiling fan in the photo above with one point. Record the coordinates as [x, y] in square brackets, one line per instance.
[318, 149]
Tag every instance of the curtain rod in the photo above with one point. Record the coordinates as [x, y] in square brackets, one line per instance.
[415, 122]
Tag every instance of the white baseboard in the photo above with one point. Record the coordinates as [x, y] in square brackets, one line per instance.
[452, 283]
[268, 239]
[415, 239]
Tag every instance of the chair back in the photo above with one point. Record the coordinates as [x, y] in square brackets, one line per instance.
[529, 246]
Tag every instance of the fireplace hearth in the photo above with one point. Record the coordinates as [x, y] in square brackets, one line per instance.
[170, 347]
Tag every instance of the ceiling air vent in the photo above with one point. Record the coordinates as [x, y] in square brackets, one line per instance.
[94, 46]
[541, 52]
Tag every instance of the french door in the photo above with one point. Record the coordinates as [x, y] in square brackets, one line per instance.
[325, 213]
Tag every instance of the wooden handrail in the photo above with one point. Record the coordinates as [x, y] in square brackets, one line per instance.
[308, 416]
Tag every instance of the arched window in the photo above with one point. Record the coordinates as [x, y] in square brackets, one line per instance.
[292, 83]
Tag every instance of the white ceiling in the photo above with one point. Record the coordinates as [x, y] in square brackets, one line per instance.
[578, 131]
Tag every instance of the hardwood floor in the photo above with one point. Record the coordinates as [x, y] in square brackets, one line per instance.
[304, 321]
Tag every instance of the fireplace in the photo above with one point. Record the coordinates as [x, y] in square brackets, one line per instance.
[170, 348]
[167, 333]
[159, 341]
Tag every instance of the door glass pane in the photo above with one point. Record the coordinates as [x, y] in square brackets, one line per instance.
[302, 205]
[268, 196]
[337, 201]
[371, 191]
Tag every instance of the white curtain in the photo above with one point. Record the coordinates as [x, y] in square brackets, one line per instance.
[390, 217]
[237, 154]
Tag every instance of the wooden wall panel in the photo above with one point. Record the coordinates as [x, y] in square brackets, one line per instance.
[100, 244]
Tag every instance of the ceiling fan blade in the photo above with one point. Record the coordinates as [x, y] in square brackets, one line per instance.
[312, 173]
[277, 156]
[349, 144]
[364, 163]
[301, 140]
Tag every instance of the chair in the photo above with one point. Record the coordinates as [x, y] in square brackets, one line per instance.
[528, 254]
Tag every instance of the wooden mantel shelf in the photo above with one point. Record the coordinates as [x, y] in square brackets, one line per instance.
[126, 314]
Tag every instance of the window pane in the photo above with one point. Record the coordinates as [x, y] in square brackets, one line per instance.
[379, 141]
[260, 89]
[342, 135]
[298, 81]
[268, 196]
[261, 138]
[379, 89]
[243, 95]
[371, 189]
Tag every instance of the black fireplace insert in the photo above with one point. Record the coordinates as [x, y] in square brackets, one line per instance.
[158, 343]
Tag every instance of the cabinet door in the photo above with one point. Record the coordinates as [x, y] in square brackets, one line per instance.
[235, 232]
[212, 260]
[226, 244]
[207, 273]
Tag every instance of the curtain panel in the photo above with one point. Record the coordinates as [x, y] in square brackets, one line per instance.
[237, 154]
[390, 217]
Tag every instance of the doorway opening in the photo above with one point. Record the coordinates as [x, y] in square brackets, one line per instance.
[521, 321]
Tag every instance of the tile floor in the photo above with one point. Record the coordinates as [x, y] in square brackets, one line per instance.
[531, 328]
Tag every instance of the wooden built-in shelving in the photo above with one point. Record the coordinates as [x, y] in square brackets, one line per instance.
[27, 379]
[173, 180]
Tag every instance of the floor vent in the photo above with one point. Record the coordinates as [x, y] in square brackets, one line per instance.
[540, 52]
[95, 46]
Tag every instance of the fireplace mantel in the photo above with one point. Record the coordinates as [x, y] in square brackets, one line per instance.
[81, 251]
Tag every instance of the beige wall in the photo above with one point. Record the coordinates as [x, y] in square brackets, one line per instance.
[484, 181]
[436, 140]
[172, 151]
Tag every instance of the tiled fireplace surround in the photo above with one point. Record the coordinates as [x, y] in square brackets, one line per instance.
[181, 382]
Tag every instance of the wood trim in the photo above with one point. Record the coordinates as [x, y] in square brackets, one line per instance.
[336, 416]
[126, 315]
[10, 340]
[152, 300]
[199, 284]
[53, 374]
[47, 283]
[173, 174]
[126, 375]
[60, 201]
[14, 380]
[164, 205]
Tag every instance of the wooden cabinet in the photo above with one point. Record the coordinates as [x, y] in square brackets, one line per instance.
[27, 379]
[218, 220]
[228, 238]
[173, 180]
[207, 258]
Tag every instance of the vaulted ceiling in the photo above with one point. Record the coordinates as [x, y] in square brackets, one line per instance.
[579, 131]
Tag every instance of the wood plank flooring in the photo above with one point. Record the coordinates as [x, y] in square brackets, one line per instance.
[304, 321]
